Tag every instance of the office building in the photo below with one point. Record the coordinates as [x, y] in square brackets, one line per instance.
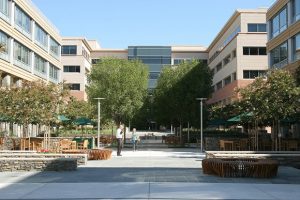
[238, 54]
[31, 44]
[76, 61]
[284, 34]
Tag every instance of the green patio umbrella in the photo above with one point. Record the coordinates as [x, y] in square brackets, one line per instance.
[83, 121]
[62, 118]
[238, 118]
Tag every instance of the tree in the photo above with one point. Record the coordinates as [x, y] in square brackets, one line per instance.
[33, 103]
[123, 84]
[76, 108]
[177, 90]
[273, 99]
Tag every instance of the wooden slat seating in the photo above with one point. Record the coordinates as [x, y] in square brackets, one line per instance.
[234, 167]
[83, 145]
[226, 145]
[65, 144]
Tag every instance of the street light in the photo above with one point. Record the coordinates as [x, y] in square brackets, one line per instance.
[99, 107]
[201, 121]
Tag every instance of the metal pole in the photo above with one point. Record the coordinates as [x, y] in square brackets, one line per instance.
[201, 104]
[98, 139]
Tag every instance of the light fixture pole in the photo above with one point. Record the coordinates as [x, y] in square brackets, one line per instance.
[201, 121]
[99, 109]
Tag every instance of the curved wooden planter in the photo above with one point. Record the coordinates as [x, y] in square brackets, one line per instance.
[235, 167]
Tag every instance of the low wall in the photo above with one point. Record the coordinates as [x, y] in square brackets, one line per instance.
[38, 164]
[80, 158]
[285, 158]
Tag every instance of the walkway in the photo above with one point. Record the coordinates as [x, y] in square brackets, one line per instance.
[147, 174]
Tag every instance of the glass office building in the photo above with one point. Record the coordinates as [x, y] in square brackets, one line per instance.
[153, 56]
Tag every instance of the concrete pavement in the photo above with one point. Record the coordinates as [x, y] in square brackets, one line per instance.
[147, 174]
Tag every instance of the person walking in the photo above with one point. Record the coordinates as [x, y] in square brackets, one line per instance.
[119, 137]
[134, 139]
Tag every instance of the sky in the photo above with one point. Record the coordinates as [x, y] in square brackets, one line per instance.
[118, 24]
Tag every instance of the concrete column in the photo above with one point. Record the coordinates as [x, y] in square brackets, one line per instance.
[32, 63]
[290, 50]
[290, 19]
[12, 13]
[11, 50]
[47, 70]
[48, 43]
[32, 30]
[6, 81]
[269, 60]
[59, 53]
[18, 83]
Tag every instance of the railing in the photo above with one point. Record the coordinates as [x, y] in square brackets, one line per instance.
[280, 64]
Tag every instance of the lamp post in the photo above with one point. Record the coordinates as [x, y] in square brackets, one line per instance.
[201, 121]
[99, 108]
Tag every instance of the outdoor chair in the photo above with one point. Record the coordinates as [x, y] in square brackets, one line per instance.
[83, 145]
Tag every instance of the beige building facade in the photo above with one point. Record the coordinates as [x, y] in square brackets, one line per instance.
[31, 44]
[238, 54]
[284, 34]
[76, 61]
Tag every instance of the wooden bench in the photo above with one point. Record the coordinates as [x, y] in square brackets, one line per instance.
[238, 167]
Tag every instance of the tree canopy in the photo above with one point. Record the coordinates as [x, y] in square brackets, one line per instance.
[177, 90]
[123, 84]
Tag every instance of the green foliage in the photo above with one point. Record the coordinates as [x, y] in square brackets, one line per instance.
[33, 103]
[272, 99]
[75, 109]
[177, 90]
[122, 83]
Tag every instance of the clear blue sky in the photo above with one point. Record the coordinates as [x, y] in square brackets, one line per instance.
[120, 23]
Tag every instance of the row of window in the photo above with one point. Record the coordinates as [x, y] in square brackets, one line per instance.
[69, 50]
[247, 74]
[178, 61]
[257, 27]
[72, 68]
[279, 22]
[24, 24]
[22, 58]
[255, 51]
[226, 41]
[225, 61]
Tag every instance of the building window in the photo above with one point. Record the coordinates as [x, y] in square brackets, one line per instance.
[226, 60]
[252, 74]
[4, 10]
[234, 76]
[227, 80]
[22, 20]
[219, 85]
[53, 72]
[41, 36]
[279, 55]
[154, 75]
[54, 47]
[21, 54]
[219, 66]
[254, 51]
[257, 27]
[4, 42]
[71, 68]
[296, 10]
[85, 54]
[95, 61]
[296, 47]
[233, 53]
[74, 86]
[69, 50]
[279, 23]
[39, 65]
[178, 61]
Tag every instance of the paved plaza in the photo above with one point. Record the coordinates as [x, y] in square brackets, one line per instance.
[147, 174]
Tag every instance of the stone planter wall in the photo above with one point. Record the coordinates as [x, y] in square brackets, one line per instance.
[80, 158]
[38, 164]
